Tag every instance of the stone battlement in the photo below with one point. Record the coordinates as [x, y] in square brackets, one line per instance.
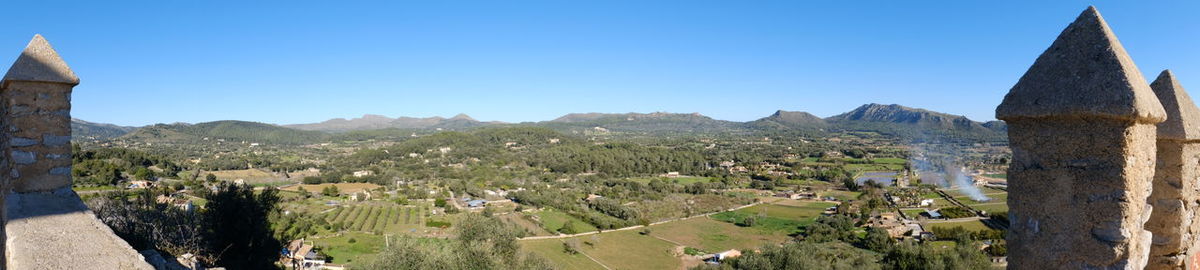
[46, 225]
[1105, 165]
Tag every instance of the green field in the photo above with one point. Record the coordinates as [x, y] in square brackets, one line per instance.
[714, 236]
[775, 217]
[377, 217]
[365, 247]
[913, 213]
[900, 161]
[972, 225]
[617, 250]
[552, 250]
[841, 195]
[553, 220]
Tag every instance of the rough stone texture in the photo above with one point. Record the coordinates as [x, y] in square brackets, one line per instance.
[1175, 190]
[1084, 72]
[1183, 117]
[1078, 189]
[39, 62]
[47, 119]
[55, 230]
[1081, 125]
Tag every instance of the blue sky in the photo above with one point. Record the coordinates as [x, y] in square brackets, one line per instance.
[144, 62]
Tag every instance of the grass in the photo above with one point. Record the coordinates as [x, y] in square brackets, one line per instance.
[778, 217]
[992, 207]
[364, 248]
[714, 236]
[841, 195]
[913, 213]
[900, 161]
[630, 250]
[971, 225]
[553, 220]
[552, 250]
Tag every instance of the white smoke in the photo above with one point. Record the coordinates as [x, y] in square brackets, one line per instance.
[967, 185]
[936, 165]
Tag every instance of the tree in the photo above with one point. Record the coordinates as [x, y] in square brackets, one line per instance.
[571, 246]
[482, 243]
[143, 174]
[877, 240]
[568, 228]
[331, 190]
[238, 227]
[210, 178]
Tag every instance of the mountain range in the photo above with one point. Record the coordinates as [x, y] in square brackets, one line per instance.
[888, 119]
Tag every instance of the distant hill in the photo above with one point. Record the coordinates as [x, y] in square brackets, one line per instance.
[788, 119]
[901, 120]
[229, 130]
[84, 130]
[657, 122]
[892, 119]
[371, 121]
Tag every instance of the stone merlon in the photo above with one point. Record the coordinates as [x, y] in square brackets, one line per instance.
[40, 63]
[1090, 74]
[1182, 125]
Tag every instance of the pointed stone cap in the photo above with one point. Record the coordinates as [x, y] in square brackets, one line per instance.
[40, 63]
[1183, 118]
[1084, 73]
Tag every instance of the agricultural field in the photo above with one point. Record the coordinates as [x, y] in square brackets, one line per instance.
[533, 229]
[970, 225]
[998, 202]
[552, 250]
[378, 218]
[552, 220]
[774, 217]
[251, 176]
[344, 188]
[616, 250]
[841, 195]
[714, 236]
[351, 247]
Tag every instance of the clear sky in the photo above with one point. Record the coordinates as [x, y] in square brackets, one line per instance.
[284, 62]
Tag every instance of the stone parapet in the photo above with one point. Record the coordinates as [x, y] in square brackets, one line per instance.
[1176, 191]
[1082, 128]
[46, 225]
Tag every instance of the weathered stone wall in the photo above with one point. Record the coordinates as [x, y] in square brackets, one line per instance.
[1176, 191]
[1081, 202]
[40, 134]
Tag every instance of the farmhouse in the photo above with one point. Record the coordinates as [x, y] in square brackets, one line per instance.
[363, 173]
[301, 256]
